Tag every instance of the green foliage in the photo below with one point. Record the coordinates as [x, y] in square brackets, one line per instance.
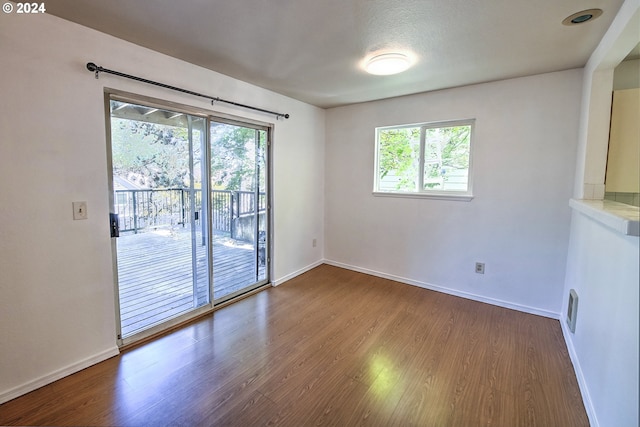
[233, 157]
[156, 156]
[455, 153]
[446, 149]
[399, 150]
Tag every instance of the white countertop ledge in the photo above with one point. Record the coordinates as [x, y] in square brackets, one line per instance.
[624, 219]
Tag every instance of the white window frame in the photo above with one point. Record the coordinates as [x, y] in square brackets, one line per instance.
[420, 192]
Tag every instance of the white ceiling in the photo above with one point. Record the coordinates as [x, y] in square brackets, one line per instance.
[312, 50]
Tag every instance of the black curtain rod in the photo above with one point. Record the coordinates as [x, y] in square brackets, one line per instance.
[97, 69]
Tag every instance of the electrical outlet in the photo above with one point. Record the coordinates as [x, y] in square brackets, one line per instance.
[79, 210]
[480, 267]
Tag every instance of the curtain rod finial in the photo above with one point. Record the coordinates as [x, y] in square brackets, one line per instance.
[93, 67]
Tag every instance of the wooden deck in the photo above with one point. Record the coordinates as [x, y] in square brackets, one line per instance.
[155, 275]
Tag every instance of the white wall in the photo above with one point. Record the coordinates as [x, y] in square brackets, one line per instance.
[56, 282]
[603, 269]
[518, 222]
[602, 265]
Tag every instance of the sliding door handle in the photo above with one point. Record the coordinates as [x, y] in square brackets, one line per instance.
[114, 225]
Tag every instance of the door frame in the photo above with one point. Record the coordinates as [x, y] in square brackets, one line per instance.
[208, 116]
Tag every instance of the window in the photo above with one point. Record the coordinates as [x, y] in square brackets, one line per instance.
[424, 160]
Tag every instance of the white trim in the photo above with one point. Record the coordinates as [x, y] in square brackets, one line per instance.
[474, 297]
[582, 383]
[297, 273]
[466, 195]
[56, 375]
[166, 324]
[431, 125]
[424, 195]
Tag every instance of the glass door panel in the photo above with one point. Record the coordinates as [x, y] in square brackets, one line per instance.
[239, 194]
[158, 176]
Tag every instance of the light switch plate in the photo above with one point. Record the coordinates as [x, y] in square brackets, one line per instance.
[80, 210]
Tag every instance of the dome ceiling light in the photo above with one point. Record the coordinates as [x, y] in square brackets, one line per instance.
[388, 63]
[582, 17]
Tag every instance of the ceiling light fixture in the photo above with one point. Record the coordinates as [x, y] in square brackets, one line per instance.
[388, 63]
[582, 17]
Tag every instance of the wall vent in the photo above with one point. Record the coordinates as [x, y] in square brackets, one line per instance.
[572, 310]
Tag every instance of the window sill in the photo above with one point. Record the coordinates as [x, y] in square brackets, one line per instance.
[444, 196]
[625, 219]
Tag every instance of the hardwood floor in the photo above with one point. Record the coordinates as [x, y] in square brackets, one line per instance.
[330, 347]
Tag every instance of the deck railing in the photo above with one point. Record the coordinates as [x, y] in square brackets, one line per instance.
[141, 209]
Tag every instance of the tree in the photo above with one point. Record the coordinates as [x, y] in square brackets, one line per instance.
[446, 149]
[455, 153]
[399, 150]
[154, 155]
[157, 155]
[449, 151]
[234, 157]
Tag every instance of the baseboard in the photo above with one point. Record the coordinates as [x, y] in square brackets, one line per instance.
[56, 375]
[297, 273]
[445, 290]
[68, 370]
[582, 383]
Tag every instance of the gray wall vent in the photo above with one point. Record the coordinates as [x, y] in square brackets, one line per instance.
[572, 310]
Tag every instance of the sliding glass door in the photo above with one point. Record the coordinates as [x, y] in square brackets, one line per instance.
[162, 251]
[189, 212]
[239, 166]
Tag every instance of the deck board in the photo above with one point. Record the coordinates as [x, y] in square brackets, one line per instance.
[155, 275]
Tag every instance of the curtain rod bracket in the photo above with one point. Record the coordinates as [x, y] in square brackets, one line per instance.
[93, 67]
[97, 69]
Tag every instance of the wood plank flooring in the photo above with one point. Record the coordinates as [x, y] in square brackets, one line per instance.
[156, 275]
[330, 347]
